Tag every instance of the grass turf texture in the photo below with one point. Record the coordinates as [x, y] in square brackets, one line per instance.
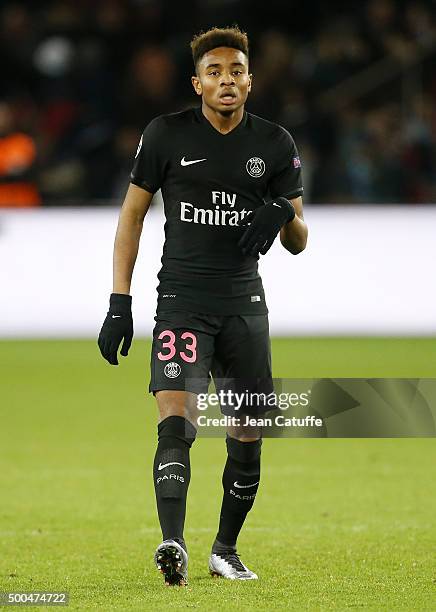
[337, 523]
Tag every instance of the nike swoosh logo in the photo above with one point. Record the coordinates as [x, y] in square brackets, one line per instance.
[238, 486]
[116, 316]
[183, 162]
[161, 467]
[274, 204]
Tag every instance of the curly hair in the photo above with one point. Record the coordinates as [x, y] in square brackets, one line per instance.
[231, 37]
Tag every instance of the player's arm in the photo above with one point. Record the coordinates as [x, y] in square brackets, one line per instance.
[130, 222]
[118, 324]
[145, 179]
[293, 235]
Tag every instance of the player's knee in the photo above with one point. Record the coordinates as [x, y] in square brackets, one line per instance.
[177, 403]
[244, 433]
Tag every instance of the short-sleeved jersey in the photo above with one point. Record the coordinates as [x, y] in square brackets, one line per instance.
[210, 181]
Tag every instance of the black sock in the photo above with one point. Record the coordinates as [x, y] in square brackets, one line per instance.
[240, 482]
[171, 474]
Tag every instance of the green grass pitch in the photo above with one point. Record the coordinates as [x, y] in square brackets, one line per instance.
[337, 524]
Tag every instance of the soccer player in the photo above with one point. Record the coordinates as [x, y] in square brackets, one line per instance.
[231, 182]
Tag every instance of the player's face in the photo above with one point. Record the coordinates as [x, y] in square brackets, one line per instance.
[223, 79]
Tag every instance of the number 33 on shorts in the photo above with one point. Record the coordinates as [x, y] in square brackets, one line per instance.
[169, 346]
[178, 355]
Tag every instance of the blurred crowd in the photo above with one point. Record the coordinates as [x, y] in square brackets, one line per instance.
[354, 82]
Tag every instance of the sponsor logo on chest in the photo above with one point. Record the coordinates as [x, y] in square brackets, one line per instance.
[223, 210]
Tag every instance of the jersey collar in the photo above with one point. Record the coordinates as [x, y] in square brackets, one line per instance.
[202, 119]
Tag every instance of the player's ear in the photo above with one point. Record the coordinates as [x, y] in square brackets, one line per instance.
[196, 85]
[250, 79]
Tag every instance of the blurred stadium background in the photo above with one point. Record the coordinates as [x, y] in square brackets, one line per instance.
[355, 83]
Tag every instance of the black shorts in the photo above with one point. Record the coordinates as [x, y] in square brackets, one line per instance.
[188, 348]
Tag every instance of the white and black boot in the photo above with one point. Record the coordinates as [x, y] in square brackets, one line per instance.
[171, 560]
[227, 563]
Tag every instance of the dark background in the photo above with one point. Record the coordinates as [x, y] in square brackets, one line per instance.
[354, 82]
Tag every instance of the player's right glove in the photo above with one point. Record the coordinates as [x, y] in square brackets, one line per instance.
[117, 326]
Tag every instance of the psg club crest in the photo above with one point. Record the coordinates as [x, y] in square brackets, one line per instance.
[255, 167]
[172, 369]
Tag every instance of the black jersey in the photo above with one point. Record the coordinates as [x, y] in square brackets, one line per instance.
[209, 182]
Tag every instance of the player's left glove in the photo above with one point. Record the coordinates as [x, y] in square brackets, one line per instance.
[263, 224]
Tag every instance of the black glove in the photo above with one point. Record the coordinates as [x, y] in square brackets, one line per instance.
[263, 224]
[117, 325]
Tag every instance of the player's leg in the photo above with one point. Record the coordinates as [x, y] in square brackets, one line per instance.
[240, 480]
[181, 357]
[171, 476]
[243, 362]
[171, 467]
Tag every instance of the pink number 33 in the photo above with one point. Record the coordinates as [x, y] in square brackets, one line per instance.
[170, 345]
